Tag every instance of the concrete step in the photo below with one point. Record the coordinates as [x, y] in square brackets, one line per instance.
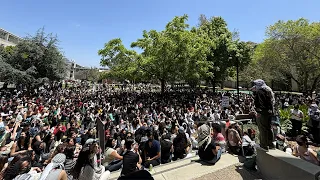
[187, 168]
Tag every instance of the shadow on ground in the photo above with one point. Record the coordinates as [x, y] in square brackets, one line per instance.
[234, 172]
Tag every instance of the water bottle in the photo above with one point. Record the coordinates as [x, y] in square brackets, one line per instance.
[150, 167]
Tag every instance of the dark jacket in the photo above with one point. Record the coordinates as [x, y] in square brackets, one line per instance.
[263, 101]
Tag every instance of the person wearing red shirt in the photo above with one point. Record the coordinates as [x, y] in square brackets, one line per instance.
[58, 128]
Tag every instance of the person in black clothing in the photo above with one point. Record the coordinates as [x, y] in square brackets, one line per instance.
[208, 151]
[131, 158]
[87, 136]
[180, 145]
[166, 149]
[264, 103]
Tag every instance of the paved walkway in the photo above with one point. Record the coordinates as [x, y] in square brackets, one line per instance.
[228, 167]
[234, 172]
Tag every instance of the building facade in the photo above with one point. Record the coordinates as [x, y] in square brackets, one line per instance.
[8, 39]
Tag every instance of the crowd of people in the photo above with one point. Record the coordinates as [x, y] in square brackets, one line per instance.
[50, 133]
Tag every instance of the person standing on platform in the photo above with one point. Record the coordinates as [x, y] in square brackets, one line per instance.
[264, 103]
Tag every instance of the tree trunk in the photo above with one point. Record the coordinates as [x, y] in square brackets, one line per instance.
[305, 82]
[162, 81]
[315, 84]
[213, 82]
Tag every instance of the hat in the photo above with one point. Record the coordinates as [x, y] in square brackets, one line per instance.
[181, 130]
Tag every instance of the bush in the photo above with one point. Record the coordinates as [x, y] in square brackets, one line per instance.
[285, 116]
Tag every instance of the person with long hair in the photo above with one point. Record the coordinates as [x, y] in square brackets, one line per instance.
[22, 166]
[112, 160]
[234, 140]
[180, 145]
[21, 146]
[304, 152]
[87, 167]
[218, 137]
[166, 148]
[70, 160]
[3, 163]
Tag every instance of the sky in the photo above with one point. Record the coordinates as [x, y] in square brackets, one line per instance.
[83, 26]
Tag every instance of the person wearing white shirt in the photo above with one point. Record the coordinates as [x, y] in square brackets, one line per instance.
[296, 120]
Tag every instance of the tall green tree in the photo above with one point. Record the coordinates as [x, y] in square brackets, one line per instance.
[174, 54]
[121, 61]
[226, 50]
[292, 50]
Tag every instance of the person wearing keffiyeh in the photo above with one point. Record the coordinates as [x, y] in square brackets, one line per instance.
[264, 103]
[55, 170]
[208, 150]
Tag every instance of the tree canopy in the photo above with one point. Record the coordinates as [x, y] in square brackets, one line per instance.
[226, 50]
[33, 59]
[178, 53]
[292, 51]
[175, 54]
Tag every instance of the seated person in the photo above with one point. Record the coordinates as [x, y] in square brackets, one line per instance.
[112, 160]
[208, 151]
[247, 144]
[218, 137]
[305, 153]
[152, 151]
[131, 159]
[181, 145]
[234, 140]
[166, 149]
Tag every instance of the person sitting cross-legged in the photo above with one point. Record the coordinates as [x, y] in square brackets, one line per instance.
[152, 151]
[208, 152]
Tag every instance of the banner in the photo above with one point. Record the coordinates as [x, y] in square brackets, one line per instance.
[225, 101]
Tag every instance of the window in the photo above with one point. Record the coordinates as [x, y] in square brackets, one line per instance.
[13, 39]
[2, 34]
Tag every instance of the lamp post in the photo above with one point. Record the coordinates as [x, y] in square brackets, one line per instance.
[238, 92]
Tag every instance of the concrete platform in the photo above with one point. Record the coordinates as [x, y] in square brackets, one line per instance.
[192, 169]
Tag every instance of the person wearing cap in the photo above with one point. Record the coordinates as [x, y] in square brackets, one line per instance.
[264, 103]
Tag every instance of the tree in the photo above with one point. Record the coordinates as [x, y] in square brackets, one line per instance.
[33, 59]
[292, 50]
[174, 54]
[121, 61]
[226, 50]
